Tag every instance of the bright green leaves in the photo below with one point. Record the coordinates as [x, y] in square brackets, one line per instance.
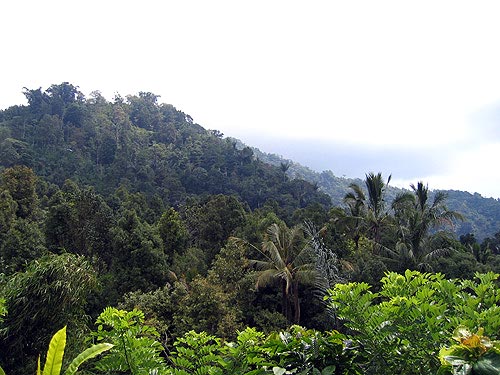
[54, 358]
[295, 351]
[196, 353]
[53, 362]
[136, 349]
[475, 354]
[403, 325]
[247, 355]
[306, 351]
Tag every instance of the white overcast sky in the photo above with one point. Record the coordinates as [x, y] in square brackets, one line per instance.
[410, 88]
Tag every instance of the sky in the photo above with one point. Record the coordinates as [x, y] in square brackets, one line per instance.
[405, 88]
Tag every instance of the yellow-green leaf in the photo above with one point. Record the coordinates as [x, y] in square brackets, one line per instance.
[53, 362]
[86, 355]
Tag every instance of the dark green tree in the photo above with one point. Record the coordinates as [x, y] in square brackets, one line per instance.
[8, 209]
[419, 224]
[79, 221]
[20, 182]
[173, 232]
[51, 292]
[138, 262]
[22, 243]
[212, 221]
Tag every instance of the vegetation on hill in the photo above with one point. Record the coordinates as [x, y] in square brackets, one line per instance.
[130, 204]
[481, 215]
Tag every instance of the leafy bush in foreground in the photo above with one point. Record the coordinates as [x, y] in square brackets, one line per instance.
[295, 351]
[402, 327]
[135, 347]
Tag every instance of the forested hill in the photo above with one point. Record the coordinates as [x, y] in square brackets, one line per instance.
[140, 145]
[129, 203]
[482, 215]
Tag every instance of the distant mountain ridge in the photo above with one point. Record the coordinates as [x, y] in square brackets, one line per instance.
[482, 215]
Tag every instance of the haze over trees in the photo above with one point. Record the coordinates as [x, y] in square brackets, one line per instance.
[129, 203]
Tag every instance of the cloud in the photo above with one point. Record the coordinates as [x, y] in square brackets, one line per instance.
[485, 124]
[446, 166]
[354, 160]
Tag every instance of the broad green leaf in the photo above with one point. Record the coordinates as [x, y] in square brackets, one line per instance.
[53, 362]
[488, 364]
[2, 372]
[86, 355]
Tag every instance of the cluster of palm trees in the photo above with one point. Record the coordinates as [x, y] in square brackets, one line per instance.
[406, 232]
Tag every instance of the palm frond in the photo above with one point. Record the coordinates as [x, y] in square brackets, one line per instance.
[439, 198]
[261, 265]
[437, 253]
[357, 192]
[422, 194]
[274, 254]
[267, 277]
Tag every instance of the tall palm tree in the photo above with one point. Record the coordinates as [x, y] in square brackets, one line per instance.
[368, 214]
[377, 213]
[289, 259]
[419, 221]
[356, 212]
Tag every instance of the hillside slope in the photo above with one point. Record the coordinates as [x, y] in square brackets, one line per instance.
[481, 215]
[141, 145]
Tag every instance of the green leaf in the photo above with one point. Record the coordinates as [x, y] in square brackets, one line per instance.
[2, 372]
[278, 370]
[488, 364]
[445, 370]
[53, 362]
[329, 370]
[86, 355]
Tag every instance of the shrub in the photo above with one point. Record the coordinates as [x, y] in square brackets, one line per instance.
[402, 327]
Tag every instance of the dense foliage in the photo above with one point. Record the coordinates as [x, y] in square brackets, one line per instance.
[131, 204]
[402, 327]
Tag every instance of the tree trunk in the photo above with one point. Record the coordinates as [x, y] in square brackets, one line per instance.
[285, 307]
[296, 303]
